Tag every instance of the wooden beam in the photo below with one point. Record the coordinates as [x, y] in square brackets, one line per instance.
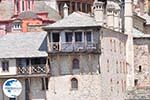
[70, 64]
[81, 67]
[59, 67]
[90, 63]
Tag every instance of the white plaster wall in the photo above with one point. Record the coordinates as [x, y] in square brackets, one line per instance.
[12, 67]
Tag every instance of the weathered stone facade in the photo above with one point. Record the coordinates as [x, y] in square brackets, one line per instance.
[113, 65]
[141, 59]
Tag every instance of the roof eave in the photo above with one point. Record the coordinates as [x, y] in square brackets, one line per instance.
[72, 27]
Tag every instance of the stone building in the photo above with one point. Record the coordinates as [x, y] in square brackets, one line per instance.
[81, 40]
[141, 28]
[82, 56]
[22, 15]
[24, 57]
[86, 58]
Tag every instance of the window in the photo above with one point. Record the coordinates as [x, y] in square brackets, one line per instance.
[116, 66]
[74, 84]
[12, 98]
[135, 82]
[68, 36]
[117, 82]
[73, 6]
[75, 64]
[78, 36]
[5, 66]
[120, 67]
[120, 47]
[140, 68]
[29, 4]
[17, 25]
[124, 68]
[111, 88]
[22, 5]
[88, 36]
[44, 83]
[118, 87]
[78, 6]
[17, 5]
[88, 8]
[110, 44]
[111, 81]
[83, 7]
[107, 65]
[114, 46]
[122, 84]
[55, 36]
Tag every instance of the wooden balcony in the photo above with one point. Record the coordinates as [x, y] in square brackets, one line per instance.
[73, 47]
[33, 70]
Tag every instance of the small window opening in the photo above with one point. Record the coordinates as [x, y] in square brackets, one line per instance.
[140, 68]
[135, 82]
[74, 84]
[5, 65]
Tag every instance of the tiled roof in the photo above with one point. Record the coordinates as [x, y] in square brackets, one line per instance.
[27, 14]
[137, 32]
[23, 45]
[139, 94]
[41, 6]
[146, 17]
[6, 9]
[76, 19]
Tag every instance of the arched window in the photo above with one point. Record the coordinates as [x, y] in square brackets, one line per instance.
[75, 64]
[74, 83]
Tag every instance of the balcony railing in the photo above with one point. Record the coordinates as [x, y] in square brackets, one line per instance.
[33, 69]
[69, 46]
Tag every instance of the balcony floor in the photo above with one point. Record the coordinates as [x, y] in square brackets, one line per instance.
[24, 76]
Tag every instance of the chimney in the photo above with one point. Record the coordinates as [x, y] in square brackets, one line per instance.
[110, 14]
[117, 17]
[141, 4]
[65, 9]
[98, 11]
[128, 17]
[129, 44]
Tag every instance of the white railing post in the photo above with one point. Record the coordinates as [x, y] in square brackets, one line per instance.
[30, 67]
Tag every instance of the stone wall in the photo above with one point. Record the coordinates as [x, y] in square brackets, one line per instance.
[113, 65]
[141, 60]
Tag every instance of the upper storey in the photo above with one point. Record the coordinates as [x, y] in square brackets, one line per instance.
[77, 32]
